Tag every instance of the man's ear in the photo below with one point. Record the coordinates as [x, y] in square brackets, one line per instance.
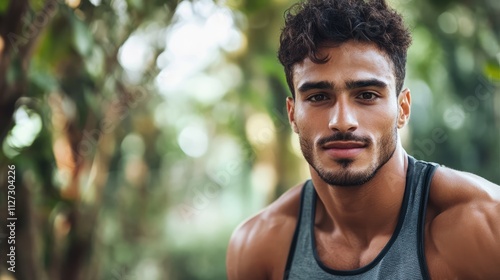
[404, 107]
[290, 108]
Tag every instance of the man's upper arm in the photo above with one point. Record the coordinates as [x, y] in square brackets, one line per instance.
[468, 238]
[466, 234]
[244, 259]
[258, 247]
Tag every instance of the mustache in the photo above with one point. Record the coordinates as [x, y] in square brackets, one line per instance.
[344, 136]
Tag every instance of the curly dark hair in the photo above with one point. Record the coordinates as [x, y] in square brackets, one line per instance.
[311, 24]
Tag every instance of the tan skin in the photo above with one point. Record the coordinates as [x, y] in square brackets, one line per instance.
[353, 224]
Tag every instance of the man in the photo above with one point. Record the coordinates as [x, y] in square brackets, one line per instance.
[370, 211]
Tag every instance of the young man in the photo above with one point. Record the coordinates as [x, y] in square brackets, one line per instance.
[370, 211]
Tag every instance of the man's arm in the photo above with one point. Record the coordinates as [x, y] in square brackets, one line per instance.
[468, 239]
[244, 254]
[465, 234]
[259, 247]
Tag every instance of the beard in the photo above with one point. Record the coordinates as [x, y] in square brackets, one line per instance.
[344, 176]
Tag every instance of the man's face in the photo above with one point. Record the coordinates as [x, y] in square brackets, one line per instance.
[346, 112]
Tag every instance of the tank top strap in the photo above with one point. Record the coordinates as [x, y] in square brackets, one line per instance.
[420, 177]
[300, 248]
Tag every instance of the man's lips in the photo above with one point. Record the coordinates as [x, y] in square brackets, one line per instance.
[344, 149]
[344, 145]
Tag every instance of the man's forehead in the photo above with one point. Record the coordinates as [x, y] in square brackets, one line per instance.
[357, 60]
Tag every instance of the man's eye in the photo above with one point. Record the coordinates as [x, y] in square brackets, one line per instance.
[368, 96]
[317, 98]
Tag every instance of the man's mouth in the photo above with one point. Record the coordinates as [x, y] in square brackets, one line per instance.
[344, 145]
[344, 149]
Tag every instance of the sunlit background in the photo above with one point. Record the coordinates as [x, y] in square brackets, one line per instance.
[144, 132]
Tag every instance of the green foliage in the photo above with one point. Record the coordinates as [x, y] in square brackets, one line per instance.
[3, 6]
[492, 71]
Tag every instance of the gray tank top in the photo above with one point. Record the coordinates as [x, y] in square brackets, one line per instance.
[401, 258]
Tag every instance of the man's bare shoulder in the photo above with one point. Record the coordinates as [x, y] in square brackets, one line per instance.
[452, 187]
[280, 213]
[463, 225]
[259, 246]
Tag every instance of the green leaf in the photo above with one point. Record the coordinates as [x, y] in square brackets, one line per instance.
[36, 5]
[3, 6]
[15, 71]
[43, 80]
[95, 63]
[135, 4]
[82, 37]
[492, 71]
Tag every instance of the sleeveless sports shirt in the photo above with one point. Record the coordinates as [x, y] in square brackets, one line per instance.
[401, 258]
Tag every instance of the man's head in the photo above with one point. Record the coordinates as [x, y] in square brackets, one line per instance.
[313, 24]
[345, 65]
[346, 112]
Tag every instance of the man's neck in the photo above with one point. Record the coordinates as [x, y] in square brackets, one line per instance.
[361, 213]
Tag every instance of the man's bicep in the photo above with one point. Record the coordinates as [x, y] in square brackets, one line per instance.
[492, 231]
[468, 237]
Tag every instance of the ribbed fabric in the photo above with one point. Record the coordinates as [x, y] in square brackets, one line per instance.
[402, 257]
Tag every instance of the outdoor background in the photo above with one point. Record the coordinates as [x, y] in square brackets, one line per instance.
[143, 132]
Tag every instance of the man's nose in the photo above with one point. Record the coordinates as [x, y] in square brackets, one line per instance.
[343, 117]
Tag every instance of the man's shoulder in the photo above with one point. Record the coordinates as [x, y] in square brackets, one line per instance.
[463, 224]
[279, 215]
[261, 242]
[283, 208]
[451, 187]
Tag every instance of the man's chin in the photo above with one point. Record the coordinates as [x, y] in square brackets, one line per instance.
[344, 163]
[346, 177]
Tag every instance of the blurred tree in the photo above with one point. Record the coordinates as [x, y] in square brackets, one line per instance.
[59, 76]
[454, 68]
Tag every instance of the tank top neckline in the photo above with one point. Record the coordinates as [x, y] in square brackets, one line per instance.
[395, 234]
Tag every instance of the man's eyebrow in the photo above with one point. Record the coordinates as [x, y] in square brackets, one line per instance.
[315, 85]
[365, 83]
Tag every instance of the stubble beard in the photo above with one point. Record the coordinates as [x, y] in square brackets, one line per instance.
[343, 176]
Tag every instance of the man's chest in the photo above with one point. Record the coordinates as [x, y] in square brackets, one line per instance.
[342, 255]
